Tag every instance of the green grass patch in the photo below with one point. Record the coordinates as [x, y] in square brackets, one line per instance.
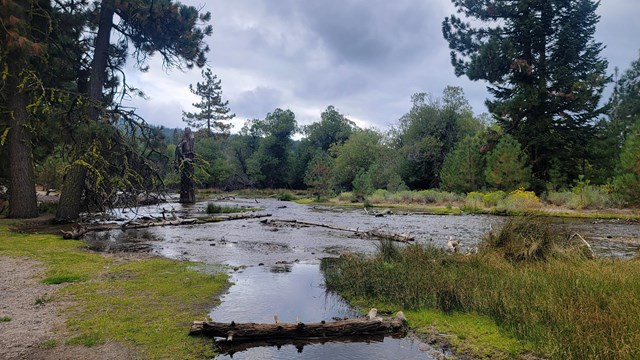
[213, 208]
[147, 305]
[4, 319]
[473, 335]
[533, 285]
[49, 344]
[61, 279]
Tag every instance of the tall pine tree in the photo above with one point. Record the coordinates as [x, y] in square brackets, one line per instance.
[545, 72]
[213, 111]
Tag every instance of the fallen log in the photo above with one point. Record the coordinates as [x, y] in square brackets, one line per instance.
[336, 329]
[364, 233]
[78, 232]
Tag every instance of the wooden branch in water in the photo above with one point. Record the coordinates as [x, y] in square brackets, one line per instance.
[365, 233]
[78, 232]
[592, 255]
[341, 328]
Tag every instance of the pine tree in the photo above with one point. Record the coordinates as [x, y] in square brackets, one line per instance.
[507, 167]
[627, 183]
[213, 111]
[18, 49]
[545, 72]
[173, 31]
[463, 168]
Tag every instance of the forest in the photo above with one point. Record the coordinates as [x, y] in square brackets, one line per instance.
[548, 129]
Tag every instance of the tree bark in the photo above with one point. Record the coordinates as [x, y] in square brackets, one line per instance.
[73, 185]
[22, 190]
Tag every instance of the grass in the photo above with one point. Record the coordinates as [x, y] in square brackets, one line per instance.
[541, 295]
[147, 305]
[213, 208]
[474, 335]
[4, 319]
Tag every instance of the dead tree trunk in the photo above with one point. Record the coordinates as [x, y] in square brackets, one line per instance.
[82, 229]
[342, 328]
[365, 233]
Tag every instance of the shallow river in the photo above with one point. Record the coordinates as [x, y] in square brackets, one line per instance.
[277, 267]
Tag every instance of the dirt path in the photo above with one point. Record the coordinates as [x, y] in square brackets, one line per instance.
[31, 323]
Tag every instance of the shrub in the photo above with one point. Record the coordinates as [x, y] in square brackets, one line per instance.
[213, 208]
[378, 197]
[520, 201]
[491, 199]
[559, 198]
[474, 201]
[523, 239]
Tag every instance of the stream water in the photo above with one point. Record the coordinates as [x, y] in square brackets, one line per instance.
[276, 269]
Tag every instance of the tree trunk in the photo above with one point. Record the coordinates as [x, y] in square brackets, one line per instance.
[73, 184]
[22, 190]
[342, 328]
[70, 201]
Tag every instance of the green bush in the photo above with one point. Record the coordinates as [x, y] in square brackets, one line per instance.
[474, 201]
[491, 199]
[520, 201]
[559, 198]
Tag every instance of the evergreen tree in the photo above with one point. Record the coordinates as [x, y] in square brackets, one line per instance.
[507, 167]
[173, 31]
[213, 111]
[625, 103]
[463, 168]
[318, 176]
[627, 183]
[22, 23]
[545, 72]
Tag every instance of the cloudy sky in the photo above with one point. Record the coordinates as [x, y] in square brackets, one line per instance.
[365, 57]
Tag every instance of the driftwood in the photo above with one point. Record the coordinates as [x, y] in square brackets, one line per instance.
[321, 330]
[365, 233]
[584, 242]
[79, 231]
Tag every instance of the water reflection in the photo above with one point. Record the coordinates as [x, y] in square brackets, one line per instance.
[296, 292]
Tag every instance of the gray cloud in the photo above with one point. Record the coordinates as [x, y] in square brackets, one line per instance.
[365, 57]
[257, 102]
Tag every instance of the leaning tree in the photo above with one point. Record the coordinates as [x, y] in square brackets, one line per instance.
[544, 70]
[144, 28]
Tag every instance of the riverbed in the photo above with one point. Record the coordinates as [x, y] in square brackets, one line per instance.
[275, 268]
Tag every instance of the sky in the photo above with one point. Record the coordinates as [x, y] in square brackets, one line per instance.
[365, 57]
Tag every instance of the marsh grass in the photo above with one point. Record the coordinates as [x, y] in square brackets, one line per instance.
[548, 295]
[213, 208]
[145, 304]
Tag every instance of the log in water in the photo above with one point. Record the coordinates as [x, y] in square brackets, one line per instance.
[370, 325]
